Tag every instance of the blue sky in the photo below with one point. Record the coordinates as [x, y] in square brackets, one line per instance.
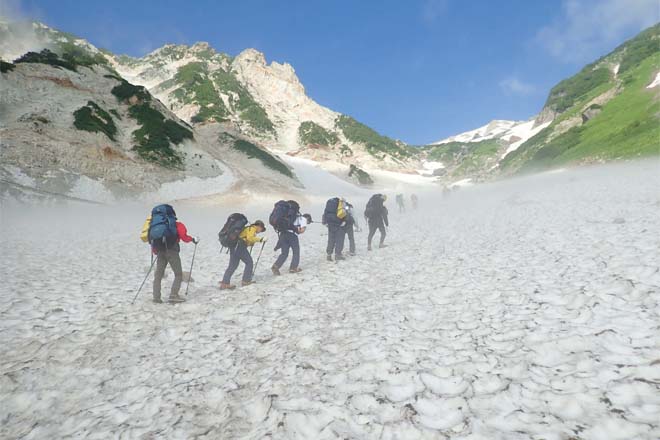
[413, 70]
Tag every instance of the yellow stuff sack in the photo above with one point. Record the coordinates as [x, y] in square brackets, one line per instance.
[144, 235]
[341, 210]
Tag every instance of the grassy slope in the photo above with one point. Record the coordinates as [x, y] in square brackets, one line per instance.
[627, 126]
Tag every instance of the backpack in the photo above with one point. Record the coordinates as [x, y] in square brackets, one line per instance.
[334, 209]
[230, 232]
[163, 224]
[372, 206]
[144, 234]
[283, 215]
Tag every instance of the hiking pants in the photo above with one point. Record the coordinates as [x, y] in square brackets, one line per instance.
[376, 225]
[336, 235]
[236, 255]
[349, 229]
[163, 258]
[288, 240]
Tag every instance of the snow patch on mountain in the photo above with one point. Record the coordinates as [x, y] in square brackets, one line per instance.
[522, 133]
[655, 82]
[494, 129]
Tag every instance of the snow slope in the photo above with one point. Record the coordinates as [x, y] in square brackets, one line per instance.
[523, 309]
[494, 129]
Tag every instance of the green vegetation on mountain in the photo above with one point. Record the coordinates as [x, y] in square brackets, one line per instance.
[154, 138]
[155, 134]
[462, 158]
[70, 59]
[362, 176]
[625, 126]
[253, 151]
[125, 91]
[6, 67]
[93, 118]
[310, 132]
[570, 91]
[197, 85]
[376, 144]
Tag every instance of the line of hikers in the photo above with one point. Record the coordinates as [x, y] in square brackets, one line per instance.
[163, 232]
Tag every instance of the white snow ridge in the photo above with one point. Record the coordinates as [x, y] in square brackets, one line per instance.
[524, 309]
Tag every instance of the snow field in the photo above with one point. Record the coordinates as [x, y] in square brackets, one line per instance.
[523, 309]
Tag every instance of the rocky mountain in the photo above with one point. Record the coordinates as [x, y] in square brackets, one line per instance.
[72, 126]
[232, 107]
[607, 111]
[266, 102]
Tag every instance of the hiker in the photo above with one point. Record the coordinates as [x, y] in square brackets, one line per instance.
[376, 215]
[334, 217]
[164, 234]
[414, 200]
[289, 223]
[350, 227]
[247, 238]
[399, 203]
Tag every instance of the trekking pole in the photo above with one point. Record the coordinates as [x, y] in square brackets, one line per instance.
[263, 243]
[191, 267]
[153, 260]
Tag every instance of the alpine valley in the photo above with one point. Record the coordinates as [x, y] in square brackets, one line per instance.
[189, 121]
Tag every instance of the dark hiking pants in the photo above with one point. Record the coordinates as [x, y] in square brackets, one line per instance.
[335, 240]
[350, 233]
[163, 258]
[376, 225]
[236, 255]
[288, 241]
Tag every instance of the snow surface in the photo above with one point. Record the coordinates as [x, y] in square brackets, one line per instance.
[193, 186]
[523, 309]
[656, 81]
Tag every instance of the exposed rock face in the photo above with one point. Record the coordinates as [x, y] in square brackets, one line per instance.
[277, 88]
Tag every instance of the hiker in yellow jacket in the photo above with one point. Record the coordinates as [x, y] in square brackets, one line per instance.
[248, 237]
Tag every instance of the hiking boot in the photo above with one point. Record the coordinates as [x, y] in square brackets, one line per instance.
[339, 257]
[276, 270]
[246, 283]
[369, 247]
[382, 246]
[224, 286]
[352, 253]
[175, 299]
[295, 270]
[157, 300]
[329, 258]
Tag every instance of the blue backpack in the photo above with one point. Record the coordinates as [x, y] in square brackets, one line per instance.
[163, 224]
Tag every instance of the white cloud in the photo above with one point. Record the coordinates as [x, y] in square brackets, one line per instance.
[587, 28]
[513, 85]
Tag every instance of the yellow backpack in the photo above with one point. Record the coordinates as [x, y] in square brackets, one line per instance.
[341, 210]
[144, 235]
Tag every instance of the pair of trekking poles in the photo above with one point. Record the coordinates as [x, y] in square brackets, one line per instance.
[192, 262]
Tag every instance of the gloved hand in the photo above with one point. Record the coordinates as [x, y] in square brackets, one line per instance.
[264, 239]
[195, 240]
[342, 224]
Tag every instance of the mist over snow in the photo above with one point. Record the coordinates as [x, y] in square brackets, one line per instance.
[526, 308]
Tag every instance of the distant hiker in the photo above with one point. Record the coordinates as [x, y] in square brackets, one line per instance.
[400, 203]
[350, 227]
[238, 247]
[288, 223]
[164, 235]
[414, 200]
[376, 215]
[334, 217]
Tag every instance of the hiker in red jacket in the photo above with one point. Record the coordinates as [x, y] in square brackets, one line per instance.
[167, 252]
